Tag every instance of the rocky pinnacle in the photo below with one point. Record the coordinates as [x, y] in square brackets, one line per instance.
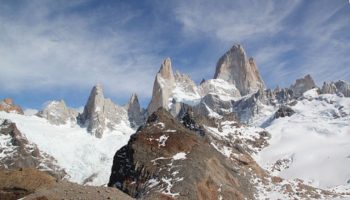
[163, 85]
[235, 67]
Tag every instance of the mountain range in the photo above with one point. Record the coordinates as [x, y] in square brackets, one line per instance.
[228, 137]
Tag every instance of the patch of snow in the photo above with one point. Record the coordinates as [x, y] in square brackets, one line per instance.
[162, 139]
[152, 183]
[160, 124]
[29, 111]
[318, 137]
[225, 90]
[169, 184]
[179, 156]
[76, 150]
[310, 94]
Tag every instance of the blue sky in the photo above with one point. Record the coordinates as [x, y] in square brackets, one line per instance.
[60, 49]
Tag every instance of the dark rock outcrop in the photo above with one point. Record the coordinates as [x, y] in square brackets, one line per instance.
[284, 111]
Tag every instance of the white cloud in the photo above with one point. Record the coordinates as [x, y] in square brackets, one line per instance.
[39, 51]
[233, 21]
[287, 38]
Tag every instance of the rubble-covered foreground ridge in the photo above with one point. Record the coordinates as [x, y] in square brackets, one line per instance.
[31, 184]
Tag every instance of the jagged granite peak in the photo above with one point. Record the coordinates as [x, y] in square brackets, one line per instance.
[166, 70]
[101, 114]
[163, 85]
[135, 113]
[302, 85]
[329, 88]
[235, 67]
[8, 106]
[343, 87]
[56, 112]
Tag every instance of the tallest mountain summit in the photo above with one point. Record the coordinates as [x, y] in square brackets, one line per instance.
[235, 67]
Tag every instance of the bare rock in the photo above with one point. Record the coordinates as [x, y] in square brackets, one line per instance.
[163, 85]
[343, 87]
[135, 114]
[235, 67]
[56, 112]
[329, 88]
[284, 111]
[101, 114]
[8, 106]
[302, 85]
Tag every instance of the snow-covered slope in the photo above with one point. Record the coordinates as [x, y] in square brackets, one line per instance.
[85, 158]
[313, 144]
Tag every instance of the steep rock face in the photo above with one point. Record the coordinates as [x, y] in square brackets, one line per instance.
[165, 160]
[17, 152]
[343, 87]
[8, 106]
[329, 88]
[101, 114]
[302, 85]
[56, 112]
[136, 117]
[163, 86]
[234, 67]
[340, 87]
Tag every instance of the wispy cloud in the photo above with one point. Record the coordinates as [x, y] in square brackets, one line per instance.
[287, 38]
[42, 48]
[60, 45]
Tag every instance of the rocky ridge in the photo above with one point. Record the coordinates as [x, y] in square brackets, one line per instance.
[56, 112]
[8, 106]
[17, 152]
[31, 184]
